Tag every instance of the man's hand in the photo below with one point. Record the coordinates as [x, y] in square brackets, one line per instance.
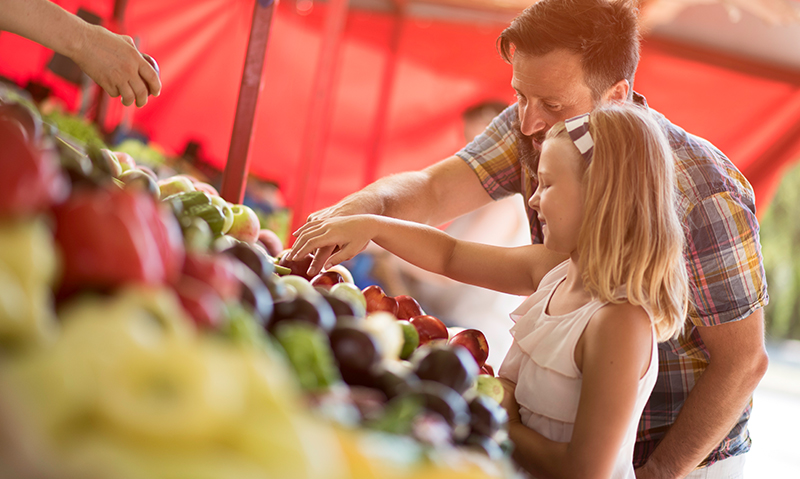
[355, 204]
[115, 64]
[358, 203]
[737, 362]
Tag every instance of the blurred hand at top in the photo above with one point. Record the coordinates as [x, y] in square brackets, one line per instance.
[115, 64]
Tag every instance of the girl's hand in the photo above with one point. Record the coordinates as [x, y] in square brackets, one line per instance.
[509, 400]
[349, 235]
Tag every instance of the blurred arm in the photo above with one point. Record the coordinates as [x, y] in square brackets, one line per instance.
[111, 60]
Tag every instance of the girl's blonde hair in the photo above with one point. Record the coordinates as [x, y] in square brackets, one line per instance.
[631, 235]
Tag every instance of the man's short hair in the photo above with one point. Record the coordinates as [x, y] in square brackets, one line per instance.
[604, 33]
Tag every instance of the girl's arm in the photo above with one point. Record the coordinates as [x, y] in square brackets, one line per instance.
[509, 270]
[613, 354]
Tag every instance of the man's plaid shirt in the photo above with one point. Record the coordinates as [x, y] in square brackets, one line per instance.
[723, 260]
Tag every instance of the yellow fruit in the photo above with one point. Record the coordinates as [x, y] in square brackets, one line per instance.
[28, 252]
[387, 331]
[290, 445]
[178, 392]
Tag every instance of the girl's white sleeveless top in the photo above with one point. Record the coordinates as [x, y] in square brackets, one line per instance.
[541, 362]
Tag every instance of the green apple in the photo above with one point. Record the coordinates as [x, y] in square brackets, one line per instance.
[490, 386]
[410, 339]
[245, 225]
[137, 179]
[385, 328]
[349, 293]
[226, 210]
[175, 184]
[303, 287]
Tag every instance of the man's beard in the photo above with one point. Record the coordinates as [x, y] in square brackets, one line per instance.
[528, 155]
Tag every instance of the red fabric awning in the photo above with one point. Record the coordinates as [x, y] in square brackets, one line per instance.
[752, 114]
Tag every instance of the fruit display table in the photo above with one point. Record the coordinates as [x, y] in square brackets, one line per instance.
[147, 332]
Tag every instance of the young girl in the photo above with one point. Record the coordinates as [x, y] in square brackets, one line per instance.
[584, 358]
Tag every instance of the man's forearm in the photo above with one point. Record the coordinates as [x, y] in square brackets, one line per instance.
[435, 195]
[707, 416]
[401, 196]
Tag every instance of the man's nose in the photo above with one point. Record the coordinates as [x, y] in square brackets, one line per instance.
[531, 121]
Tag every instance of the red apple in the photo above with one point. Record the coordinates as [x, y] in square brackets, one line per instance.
[487, 370]
[429, 328]
[327, 279]
[245, 225]
[202, 303]
[126, 161]
[271, 241]
[377, 300]
[110, 163]
[475, 342]
[215, 270]
[299, 267]
[149, 171]
[175, 184]
[206, 188]
[407, 307]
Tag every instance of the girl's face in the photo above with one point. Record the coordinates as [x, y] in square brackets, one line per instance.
[558, 200]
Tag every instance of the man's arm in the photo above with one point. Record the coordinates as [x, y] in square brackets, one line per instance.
[738, 361]
[111, 60]
[433, 196]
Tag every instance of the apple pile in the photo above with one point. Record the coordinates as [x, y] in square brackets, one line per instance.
[394, 358]
[147, 326]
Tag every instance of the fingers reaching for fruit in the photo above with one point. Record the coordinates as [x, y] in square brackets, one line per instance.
[321, 258]
[350, 234]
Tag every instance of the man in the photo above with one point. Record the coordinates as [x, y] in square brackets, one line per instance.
[568, 57]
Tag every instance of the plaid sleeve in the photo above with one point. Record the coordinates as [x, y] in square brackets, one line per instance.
[493, 156]
[723, 260]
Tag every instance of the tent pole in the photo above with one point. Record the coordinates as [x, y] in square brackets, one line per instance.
[320, 111]
[234, 177]
[385, 97]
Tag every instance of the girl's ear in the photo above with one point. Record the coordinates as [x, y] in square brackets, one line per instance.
[618, 93]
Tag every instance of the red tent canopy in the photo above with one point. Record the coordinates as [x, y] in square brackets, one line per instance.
[750, 111]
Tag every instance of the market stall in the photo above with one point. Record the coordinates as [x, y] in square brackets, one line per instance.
[146, 332]
[205, 355]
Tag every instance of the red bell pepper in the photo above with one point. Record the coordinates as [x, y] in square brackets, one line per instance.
[32, 180]
[109, 237]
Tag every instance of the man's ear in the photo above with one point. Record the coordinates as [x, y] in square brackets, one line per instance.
[618, 93]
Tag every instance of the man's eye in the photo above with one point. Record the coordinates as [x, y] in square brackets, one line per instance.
[551, 106]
